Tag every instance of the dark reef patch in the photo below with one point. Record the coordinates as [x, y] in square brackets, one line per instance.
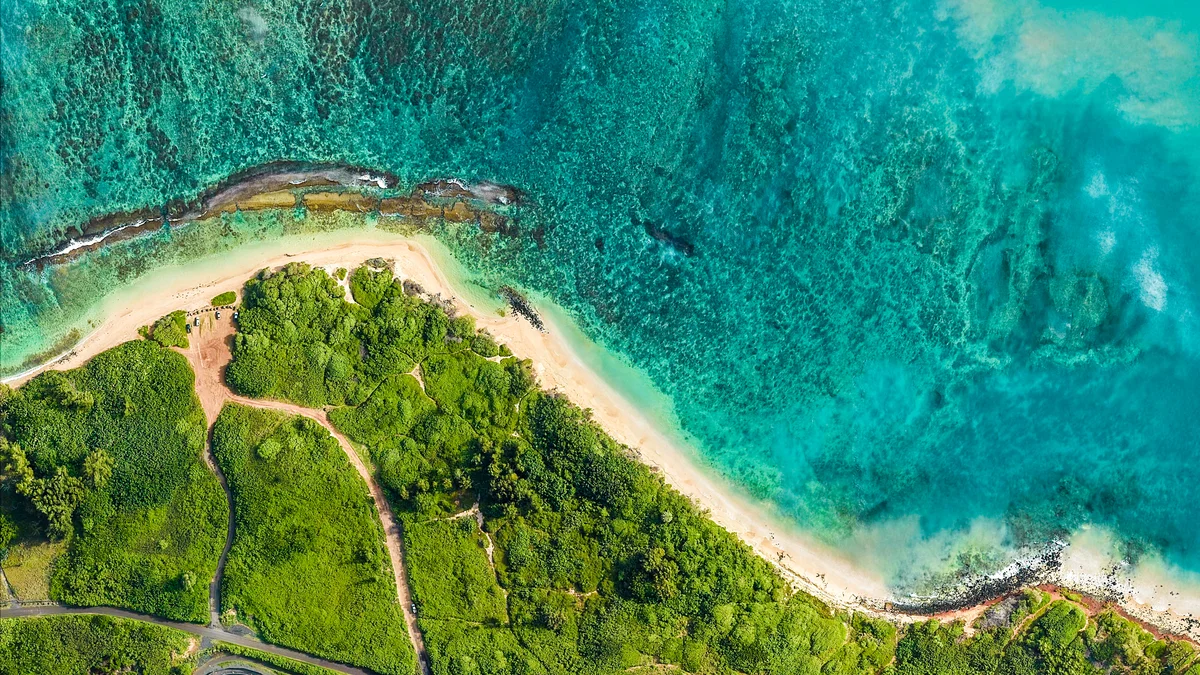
[676, 242]
[521, 307]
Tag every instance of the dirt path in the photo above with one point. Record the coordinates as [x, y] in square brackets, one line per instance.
[209, 352]
[205, 357]
[214, 586]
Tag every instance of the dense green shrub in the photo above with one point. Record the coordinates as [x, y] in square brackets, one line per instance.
[8, 532]
[308, 568]
[299, 340]
[226, 298]
[86, 644]
[116, 448]
[169, 331]
[463, 648]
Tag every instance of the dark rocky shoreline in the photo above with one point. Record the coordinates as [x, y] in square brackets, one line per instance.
[363, 190]
[980, 590]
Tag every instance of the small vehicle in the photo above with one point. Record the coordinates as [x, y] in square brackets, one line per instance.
[196, 321]
[188, 327]
[218, 313]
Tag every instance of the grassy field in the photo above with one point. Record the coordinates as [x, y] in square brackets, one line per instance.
[86, 645]
[451, 576]
[463, 613]
[110, 461]
[308, 568]
[28, 567]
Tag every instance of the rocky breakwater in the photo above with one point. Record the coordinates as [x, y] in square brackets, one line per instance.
[314, 187]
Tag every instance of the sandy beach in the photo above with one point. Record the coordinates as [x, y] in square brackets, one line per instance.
[811, 567]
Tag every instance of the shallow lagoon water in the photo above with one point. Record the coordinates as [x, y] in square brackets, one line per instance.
[916, 273]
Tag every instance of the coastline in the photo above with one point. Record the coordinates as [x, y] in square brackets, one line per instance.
[817, 570]
[566, 362]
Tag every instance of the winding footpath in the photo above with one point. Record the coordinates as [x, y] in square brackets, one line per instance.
[209, 352]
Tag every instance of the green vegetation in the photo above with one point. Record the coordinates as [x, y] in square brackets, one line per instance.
[107, 457]
[226, 298]
[536, 544]
[308, 568]
[87, 644]
[598, 566]
[169, 331]
[451, 575]
[8, 532]
[1059, 640]
[604, 567]
[280, 663]
[299, 340]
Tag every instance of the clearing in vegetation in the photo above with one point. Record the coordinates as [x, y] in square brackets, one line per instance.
[108, 458]
[28, 564]
[308, 568]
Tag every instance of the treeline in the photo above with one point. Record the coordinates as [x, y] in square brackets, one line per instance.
[586, 561]
[169, 331]
[108, 457]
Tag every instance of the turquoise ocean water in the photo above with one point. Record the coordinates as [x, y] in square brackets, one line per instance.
[910, 270]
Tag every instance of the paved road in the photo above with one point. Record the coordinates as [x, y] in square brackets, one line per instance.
[205, 632]
[214, 586]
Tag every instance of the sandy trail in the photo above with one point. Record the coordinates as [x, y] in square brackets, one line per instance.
[209, 352]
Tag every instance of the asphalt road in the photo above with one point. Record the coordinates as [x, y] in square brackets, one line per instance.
[207, 633]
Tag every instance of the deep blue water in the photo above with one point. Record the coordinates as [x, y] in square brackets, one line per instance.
[933, 264]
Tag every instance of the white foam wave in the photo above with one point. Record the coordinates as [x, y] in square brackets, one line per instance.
[379, 181]
[1151, 284]
[83, 242]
